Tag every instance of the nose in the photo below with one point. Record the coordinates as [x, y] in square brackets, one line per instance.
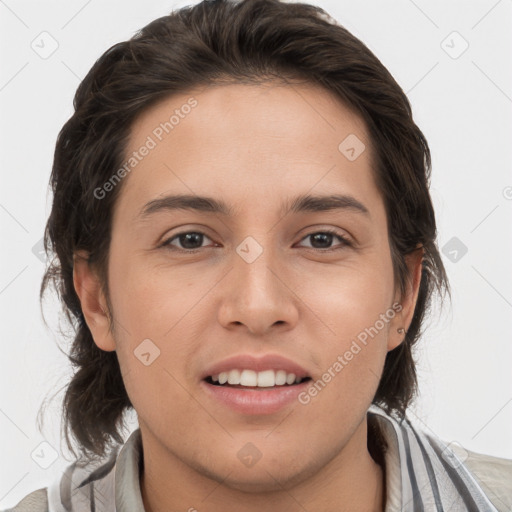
[258, 296]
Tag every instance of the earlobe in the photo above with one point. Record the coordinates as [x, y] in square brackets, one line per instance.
[402, 321]
[92, 300]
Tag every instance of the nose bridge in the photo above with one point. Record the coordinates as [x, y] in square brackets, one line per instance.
[255, 295]
[253, 271]
[256, 278]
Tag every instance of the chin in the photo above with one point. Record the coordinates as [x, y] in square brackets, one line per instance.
[261, 478]
[262, 482]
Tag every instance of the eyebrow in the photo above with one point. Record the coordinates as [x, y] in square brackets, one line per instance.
[185, 202]
[309, 203]
[300, 204]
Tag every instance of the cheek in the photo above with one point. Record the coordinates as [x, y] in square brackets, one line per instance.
[157, 333]
[349, 313]
[149, 299]
[154, 313]
[348, 299]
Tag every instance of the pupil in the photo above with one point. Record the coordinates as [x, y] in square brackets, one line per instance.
[188, 240]
[325, 239]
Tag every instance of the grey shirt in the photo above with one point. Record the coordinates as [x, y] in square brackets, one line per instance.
[423, 473]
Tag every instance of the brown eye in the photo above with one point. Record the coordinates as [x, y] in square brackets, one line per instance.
[188, 241]
[324, 240]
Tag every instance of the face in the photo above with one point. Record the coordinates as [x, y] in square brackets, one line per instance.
[285, 265]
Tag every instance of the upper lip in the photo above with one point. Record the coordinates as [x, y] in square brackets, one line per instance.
[255, 363]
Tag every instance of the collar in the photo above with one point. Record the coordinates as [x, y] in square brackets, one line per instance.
[422, 473]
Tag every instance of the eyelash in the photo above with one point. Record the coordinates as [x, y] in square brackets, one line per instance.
[345, 242]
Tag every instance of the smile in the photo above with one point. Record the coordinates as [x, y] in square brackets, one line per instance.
[251, 378]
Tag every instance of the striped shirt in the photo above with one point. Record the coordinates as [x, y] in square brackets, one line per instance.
[422, 473]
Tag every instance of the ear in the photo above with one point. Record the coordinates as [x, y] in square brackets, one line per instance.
[408, 300]
[93, 302]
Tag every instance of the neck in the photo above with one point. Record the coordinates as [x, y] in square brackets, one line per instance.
[350, 481]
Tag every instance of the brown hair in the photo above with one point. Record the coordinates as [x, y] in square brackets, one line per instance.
[218, 41]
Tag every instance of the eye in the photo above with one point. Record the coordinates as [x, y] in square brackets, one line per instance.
[191, 241]
[188, 241]
[322, 240]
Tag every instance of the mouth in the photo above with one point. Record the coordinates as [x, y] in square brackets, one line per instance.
[249, 379]
[254, 400]
[255, 385]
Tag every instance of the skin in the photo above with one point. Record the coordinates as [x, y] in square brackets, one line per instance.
[255, 147]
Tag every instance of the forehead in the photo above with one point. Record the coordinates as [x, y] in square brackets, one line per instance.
[248, 142]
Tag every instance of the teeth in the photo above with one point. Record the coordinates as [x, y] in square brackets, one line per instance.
[290, 378]
[266, 379]
[234, 377]
[250, 378]
[280, 378]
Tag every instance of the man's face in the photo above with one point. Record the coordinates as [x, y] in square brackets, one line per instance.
[256, 280]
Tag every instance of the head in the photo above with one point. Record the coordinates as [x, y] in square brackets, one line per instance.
[252, 105]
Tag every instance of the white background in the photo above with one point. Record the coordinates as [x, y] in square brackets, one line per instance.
[464, 107]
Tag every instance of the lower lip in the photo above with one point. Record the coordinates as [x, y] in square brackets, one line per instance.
[255, 401]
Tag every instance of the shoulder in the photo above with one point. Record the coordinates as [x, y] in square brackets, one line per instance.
[423, 468]
[36, 501]
[89, 484]
[493, 474]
